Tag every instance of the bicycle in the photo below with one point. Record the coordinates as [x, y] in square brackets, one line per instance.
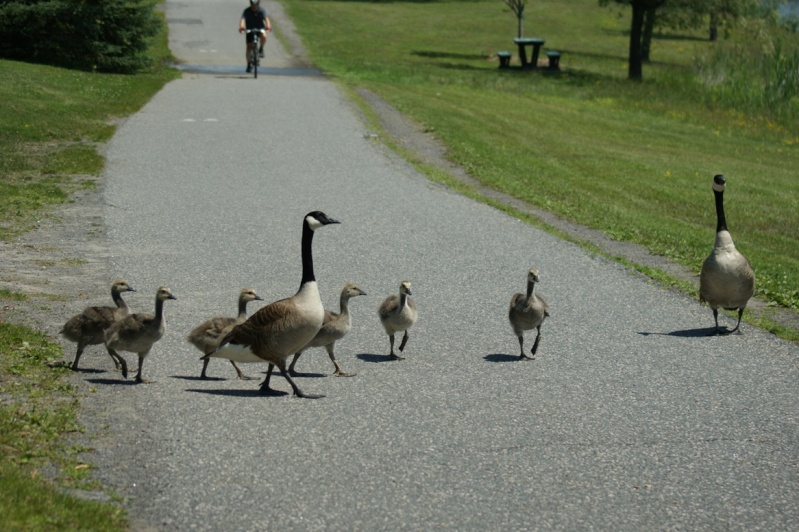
[253, 36]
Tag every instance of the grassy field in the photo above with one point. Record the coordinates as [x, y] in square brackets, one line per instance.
[635, 160]
[51, 123]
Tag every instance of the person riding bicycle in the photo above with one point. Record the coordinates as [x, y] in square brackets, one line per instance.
[255, 18]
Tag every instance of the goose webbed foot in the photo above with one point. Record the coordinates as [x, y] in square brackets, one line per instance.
[340, 373]
[297, 391]
[393, 356]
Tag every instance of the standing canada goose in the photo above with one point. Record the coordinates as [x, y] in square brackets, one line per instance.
[398, 313]
[87, 328]
[283, 327]
[137, 333]
[334, 327]
[207, 335]
[527, 312]
[727, 280]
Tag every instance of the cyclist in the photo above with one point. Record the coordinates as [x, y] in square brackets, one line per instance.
[254, 18]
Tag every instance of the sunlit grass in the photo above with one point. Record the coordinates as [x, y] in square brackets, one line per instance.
[635, 160]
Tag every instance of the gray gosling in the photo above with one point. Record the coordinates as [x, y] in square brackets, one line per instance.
[208, 334]
[137, 333]
[334, 328]
[398, 313]
[527, 312]
[87, 328]
[280, 329]
[726, 280]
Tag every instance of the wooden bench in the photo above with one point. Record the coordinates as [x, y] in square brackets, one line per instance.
[504, 59]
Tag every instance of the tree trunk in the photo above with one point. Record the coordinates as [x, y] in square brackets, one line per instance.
[714, 26]
[521, 25]
[649, 26]
[635, 68]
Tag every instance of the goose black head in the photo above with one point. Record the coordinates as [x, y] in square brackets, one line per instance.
[719, 183]
[317, 219]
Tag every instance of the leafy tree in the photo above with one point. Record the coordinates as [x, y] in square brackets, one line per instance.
[102, 35]
[641, 9]
[517, 7]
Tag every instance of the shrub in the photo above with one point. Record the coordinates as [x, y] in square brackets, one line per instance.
[101, 35]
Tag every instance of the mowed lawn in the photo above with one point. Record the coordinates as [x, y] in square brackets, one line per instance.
[635, 160]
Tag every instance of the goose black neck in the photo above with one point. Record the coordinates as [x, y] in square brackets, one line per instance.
[307, 255]
[117, 297]
[722, 221]
[530, 288]
[242, 307]
[159, 309]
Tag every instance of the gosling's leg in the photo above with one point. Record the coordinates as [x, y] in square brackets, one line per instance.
[522, 356]
[118, 361]
[205, 366]
[537, 339]
[339, 372]
[404, 341]
[391, 355]
[79, 352]
[139, 379]
[241, 376]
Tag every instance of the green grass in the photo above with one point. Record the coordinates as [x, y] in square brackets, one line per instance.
[635, 160]
[52, 121]
[38, 407]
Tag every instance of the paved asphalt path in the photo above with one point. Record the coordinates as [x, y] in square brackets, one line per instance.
[630, 417]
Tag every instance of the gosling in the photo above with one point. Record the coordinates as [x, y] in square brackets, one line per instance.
[88, 327]
[527, 312]
[137, 333]
[398, 313]
[207, 336]
[334, 328]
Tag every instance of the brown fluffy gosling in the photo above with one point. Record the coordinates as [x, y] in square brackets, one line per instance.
[334, 328]
[208, 334]
[88, 327]
[527, 312]
[137, 333]
[397, 314]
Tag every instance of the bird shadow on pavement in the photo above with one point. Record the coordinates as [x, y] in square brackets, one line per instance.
[307, 375]
[370, 357]
[254, 392]
[501, 357]
[686, 333]
[118, 381]
[197, 378]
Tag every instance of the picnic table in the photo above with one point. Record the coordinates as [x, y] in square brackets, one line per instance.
[535, 44]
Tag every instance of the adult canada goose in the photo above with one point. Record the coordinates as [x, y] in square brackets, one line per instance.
[283, 327]
[527, 312]
[334, 327]
[87, 328]
[726, 280]
[208, 334]
[398, 313]
[137, 333]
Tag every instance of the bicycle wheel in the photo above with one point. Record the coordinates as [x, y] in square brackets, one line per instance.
[255, 59]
